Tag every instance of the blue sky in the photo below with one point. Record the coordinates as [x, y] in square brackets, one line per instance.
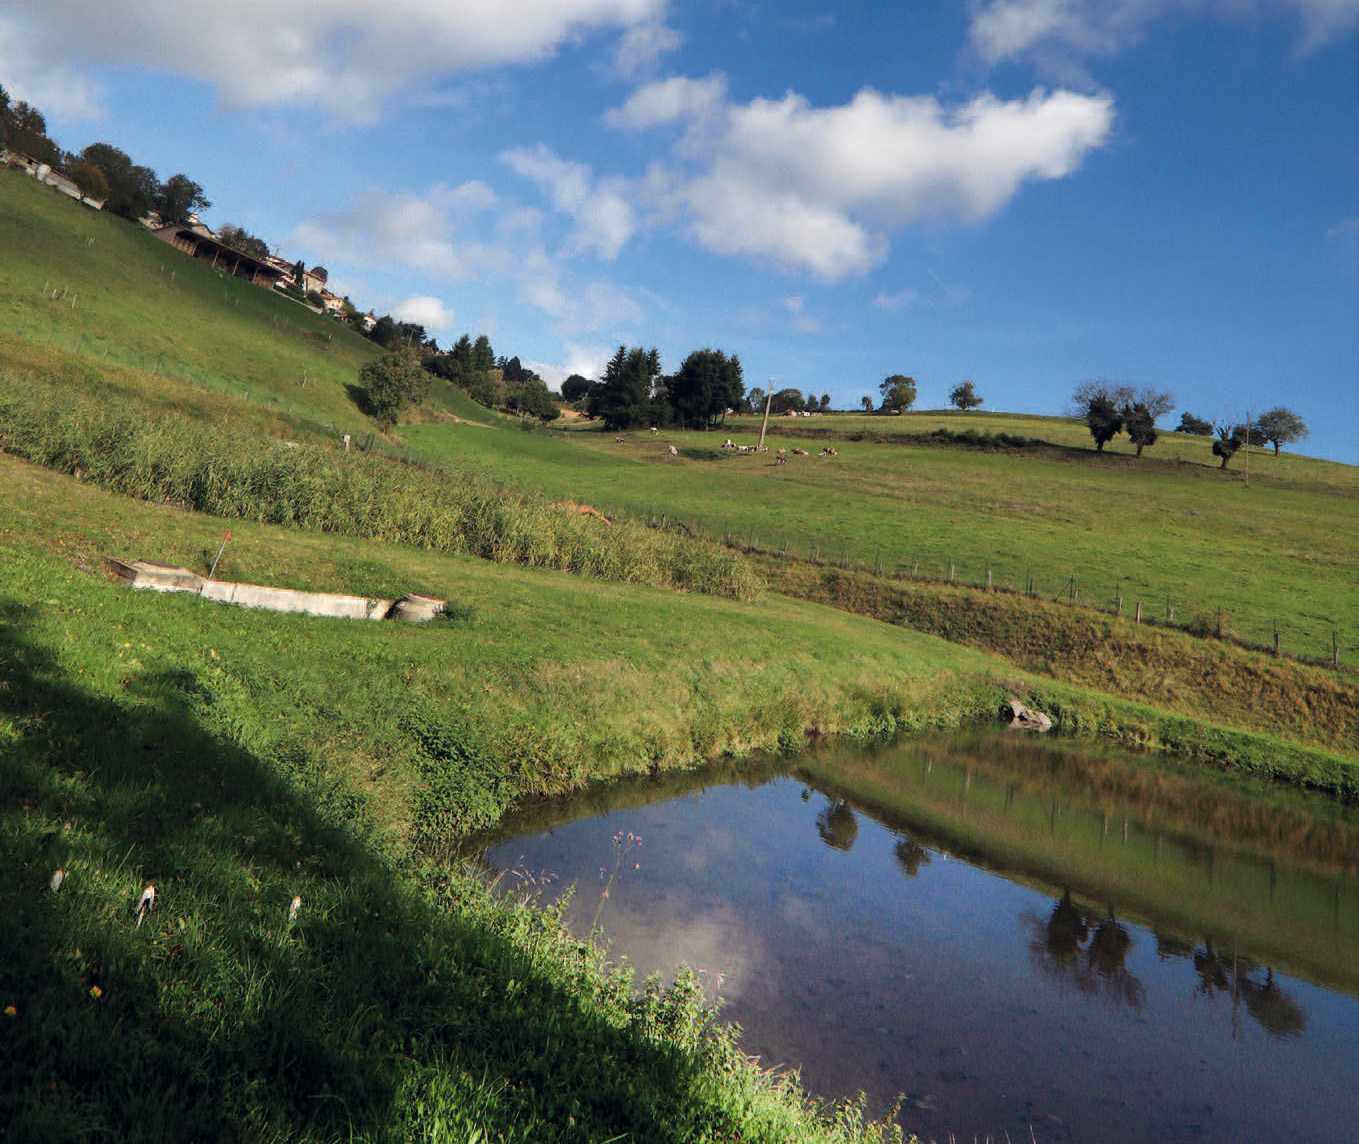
[1023, 193]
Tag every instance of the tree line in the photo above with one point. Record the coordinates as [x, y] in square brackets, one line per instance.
[1110, 408]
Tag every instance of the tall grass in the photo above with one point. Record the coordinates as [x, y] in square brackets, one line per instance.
[228, 473]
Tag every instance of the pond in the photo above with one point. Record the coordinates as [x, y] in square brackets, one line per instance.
[1023, 938]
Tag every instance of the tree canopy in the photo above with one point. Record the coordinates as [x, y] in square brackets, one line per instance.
[898, 393]
[240, 239]
[965, 396]
[623, 399]
[707, 385]
[392, 383]
[178, 198]
[1195, 425]
[1281, 426]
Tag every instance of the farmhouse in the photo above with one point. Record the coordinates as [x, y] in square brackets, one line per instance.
[198, 241]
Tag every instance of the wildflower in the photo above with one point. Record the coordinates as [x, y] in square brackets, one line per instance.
[96, 992]
[11, 1011]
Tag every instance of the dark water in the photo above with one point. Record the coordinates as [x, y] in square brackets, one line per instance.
[1022, 940]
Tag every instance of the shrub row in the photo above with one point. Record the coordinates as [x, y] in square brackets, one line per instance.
[170, 459]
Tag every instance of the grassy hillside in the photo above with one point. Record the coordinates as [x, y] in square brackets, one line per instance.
[1169, 534]
[239, 759]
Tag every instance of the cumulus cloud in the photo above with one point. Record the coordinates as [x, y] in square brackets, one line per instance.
[601, 210]
[343, 53]
[423, 310]
[420, 231]
[821, 188]
[1053, 31]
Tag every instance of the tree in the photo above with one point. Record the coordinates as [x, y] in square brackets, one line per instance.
[825, 403]
[178, 198]
[707, 385]
[1281, 426]
[321, 274]
[132, 189]
[239, 239]
[575, 387]
[898, 393]
[392, 383]
[483, 357]
[867, 403]
[1104, 420]
[754, 402]
[90, 179]
[1195, 425]
[623, 399]
[965, 396]
[785, 400]
[1107, 407]
[1229, 440]
[1141, 426]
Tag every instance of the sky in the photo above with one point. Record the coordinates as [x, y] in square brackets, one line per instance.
[1021, 193]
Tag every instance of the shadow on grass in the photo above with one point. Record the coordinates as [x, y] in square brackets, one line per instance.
[371, 1017]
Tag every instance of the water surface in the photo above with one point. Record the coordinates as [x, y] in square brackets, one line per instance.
[1015, 937]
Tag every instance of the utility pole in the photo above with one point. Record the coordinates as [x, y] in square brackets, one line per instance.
[1247, 448]
[768, 397]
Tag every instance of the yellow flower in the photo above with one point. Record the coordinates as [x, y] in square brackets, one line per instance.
[95, 991]
[11, 1011]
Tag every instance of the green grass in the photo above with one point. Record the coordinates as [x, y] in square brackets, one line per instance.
[1165, 533]
[238, 758]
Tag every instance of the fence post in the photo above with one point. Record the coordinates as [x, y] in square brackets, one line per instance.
[1335, 649]
[1276, 639]
[1139, 611]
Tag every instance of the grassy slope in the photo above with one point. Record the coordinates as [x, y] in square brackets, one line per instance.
[315, 732]
[1154, 530]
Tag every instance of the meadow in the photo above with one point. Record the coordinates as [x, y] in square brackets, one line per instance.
[239, 759]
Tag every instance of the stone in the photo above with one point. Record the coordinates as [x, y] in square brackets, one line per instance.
[1014, 714]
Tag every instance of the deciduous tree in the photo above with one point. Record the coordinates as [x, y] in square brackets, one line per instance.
[1282, 426]
[965, 396]
[898, 393]
[1195, 425]
[393, 383]
[1140, 425]
[179, 197]
[240, 239]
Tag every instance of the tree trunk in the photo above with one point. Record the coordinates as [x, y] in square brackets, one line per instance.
[1276, 447]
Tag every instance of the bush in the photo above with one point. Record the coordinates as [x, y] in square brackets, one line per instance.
[392, 383]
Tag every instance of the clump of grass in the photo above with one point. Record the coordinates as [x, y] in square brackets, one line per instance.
[171, 460]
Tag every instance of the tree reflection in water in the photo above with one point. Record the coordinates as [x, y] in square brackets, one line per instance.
[1086, 953]
[837, 825]
[911, 856]
[1249, 984]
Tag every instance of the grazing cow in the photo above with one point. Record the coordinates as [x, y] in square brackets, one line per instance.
[727, 444]
[621, 440]
[828, 451]
[673, 451]
[780, 458]
[654, 429]
[801, 453]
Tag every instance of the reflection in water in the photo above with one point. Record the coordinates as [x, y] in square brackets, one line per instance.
[1088, 955]
[859, 948]
[837, 825]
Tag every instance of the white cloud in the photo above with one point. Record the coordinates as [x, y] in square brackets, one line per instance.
[347, 54]
[423, 310]
[802, 321]
[902, 299]
[1056, 31]
[819, 188]
[602, 212]
[641, 47]
[670, 100]
[35, 71]
[419, 231]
